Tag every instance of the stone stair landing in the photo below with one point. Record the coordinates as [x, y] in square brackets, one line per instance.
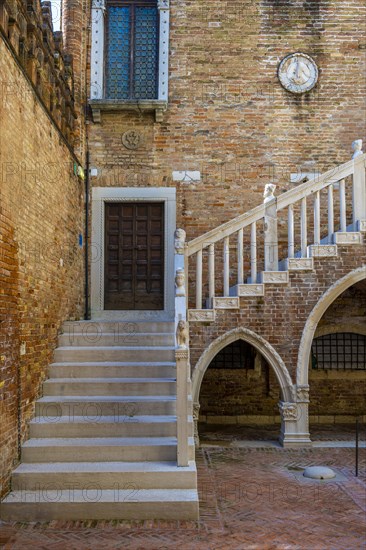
[103, 442]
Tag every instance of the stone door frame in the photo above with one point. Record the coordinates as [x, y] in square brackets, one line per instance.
[101, 195]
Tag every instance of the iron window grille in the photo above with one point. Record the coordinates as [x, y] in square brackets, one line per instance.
[238, 355]
[132, 50]
[339, 351]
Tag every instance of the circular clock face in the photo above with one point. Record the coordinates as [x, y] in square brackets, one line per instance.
[298, 73]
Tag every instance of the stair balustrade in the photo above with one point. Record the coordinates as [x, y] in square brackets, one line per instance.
[261, 222]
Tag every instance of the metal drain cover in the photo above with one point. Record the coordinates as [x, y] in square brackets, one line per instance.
[319, 472]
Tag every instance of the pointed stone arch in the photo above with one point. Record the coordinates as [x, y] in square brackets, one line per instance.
[302, 373]
[260, 344]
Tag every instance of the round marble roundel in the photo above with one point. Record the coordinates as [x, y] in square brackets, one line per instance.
[298, 73]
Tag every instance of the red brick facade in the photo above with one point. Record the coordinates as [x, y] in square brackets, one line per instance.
[41, 260]
[227, 117]
[280, 319]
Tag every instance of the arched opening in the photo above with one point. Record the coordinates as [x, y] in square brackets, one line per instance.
[239, 396]
[337, 366]
[238, 383]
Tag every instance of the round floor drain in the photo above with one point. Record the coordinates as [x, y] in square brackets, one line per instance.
[319, 472]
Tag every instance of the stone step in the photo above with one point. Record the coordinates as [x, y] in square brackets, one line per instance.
[109, 369]
[112, 386]
[115, 353]
[99, 449]
[90, 339]
[247, 290]
[117, 327]
[52, 408]
[168, 504]
[347, 237]
[106, 426]
[103, 475]
[273, 277]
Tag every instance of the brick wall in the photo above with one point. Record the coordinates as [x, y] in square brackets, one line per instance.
[338, 395]
[280, 319]
[228, 115]
[41, 263]
[240, 395]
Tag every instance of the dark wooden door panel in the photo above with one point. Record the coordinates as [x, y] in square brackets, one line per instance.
[134, 256]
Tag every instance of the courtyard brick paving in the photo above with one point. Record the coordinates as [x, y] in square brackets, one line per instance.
[250, 498]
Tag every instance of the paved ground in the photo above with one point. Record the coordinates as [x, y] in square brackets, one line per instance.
[251, 499]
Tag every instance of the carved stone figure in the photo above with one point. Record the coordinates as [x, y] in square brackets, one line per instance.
[131, 139]
[179, 282]
[179, 240]
[288, 410]
[269, 192]
[298, 71]
[182, 334]
[357, 148]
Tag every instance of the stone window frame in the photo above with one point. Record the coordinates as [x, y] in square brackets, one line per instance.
[97, 100]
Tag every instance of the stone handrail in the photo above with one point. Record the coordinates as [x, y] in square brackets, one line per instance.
[290, 197]
[268, 213]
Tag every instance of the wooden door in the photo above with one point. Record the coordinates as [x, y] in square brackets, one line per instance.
[134, 256]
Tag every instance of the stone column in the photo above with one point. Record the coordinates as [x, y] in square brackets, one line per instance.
[295, 420]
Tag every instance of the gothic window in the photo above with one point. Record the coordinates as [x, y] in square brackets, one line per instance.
[131, 49]
[340, 351]
[129, 56]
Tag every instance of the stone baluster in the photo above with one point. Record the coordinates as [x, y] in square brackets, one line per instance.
[240, 253]
[226, 266]
[270, 229]
[199, 279]
[304, 228]
[317, 218]
[291, 237]
[211, 273]
[253, 253]
[342, 205]
[330, 214]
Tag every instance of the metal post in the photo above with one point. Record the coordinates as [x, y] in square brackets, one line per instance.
[356, 473]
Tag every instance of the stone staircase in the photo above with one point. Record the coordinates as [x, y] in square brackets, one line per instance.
[103, 442]
[252, 261]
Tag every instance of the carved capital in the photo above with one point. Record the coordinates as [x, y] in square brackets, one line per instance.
[302, 394]
[288, 411]
[163, 4]
[98, 5]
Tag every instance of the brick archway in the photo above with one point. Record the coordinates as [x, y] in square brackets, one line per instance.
[316, 314]
[259, 343]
